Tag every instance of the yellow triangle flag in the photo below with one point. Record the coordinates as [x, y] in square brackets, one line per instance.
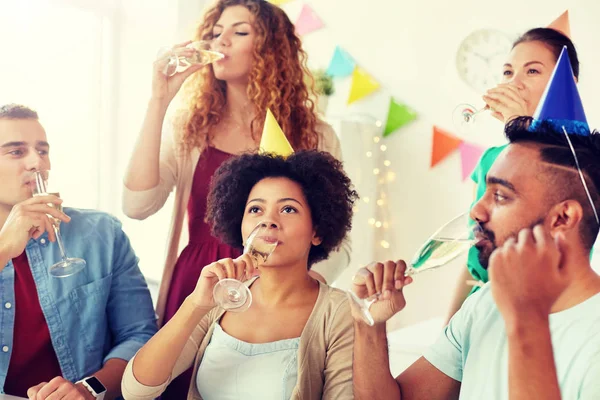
[278, 2]
[273, 139]
[363, 85]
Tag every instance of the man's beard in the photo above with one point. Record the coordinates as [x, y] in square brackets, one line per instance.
[486, 252]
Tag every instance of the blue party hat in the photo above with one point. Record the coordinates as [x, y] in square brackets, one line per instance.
[560, 104]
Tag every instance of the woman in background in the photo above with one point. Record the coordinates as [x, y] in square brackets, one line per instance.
[264, 67]
[526, 74]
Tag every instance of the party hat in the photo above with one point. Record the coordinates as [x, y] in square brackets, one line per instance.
[560, 104]
[561, 24]
[273, 139]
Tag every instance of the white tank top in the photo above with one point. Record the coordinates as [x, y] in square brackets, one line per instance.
[235, 370]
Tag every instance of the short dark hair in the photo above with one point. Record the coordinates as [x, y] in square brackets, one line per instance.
[555, 41]
[327, 188]
[554, 149]
[17, 111]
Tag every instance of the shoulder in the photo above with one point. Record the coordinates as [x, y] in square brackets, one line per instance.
[92, 225]
[81, 216]
[479, 305]
[335, 296]
[335, 307]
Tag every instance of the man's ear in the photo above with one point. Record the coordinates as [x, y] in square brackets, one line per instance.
[565, 216]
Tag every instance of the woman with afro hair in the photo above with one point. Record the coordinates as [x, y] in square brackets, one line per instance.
[295, 340]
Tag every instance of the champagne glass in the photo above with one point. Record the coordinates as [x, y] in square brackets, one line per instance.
[66, 266]
[234, 295]
[203, 55]
[448, 242]
[465, 115]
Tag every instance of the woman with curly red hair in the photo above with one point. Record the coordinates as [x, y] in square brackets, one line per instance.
[264, 67]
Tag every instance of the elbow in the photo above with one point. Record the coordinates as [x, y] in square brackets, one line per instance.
[133, 205]
[134, 212]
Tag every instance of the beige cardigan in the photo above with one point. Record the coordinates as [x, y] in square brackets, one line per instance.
[324, 355]
[177, 170]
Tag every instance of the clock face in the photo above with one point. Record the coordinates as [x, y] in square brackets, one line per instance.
[480, 58]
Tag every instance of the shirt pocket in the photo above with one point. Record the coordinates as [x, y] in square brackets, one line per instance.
[90, 305]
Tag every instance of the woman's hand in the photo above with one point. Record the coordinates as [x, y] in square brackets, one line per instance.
[506, 102]
[164, 88]
[242, 268]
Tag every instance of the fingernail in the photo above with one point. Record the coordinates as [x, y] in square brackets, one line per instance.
[398, 284]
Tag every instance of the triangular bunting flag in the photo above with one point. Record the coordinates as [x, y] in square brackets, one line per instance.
[444, 143]
[341, 63]
[308, 21]
[469, 157]
[561, 24]
[273, 139]
[398, 116]
[363, 85]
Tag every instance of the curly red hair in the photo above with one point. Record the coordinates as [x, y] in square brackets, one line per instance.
[277, 81]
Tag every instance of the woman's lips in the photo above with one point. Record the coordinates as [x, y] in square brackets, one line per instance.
[270, 239]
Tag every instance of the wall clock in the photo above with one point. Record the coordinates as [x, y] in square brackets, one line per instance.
[480, 58]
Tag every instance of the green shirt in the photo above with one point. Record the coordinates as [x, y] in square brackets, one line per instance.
[478, 176]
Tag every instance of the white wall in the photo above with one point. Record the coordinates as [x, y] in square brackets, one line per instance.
[144, 27]
[411, 51]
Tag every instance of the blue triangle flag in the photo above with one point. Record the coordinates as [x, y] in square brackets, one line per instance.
[341, 63]
[560, 104]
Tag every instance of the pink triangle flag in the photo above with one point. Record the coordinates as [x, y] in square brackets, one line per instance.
[469, 156]
[308, 21]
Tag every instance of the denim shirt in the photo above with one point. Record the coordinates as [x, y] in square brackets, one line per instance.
[103, 312]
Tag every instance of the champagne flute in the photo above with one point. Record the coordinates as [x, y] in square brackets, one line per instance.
[234, 295]
[448, 242]
[67, 266]
[465, 115]
[203, 55]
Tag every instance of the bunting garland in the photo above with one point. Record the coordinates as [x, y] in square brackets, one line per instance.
[343, 65]
[398, 115]
[445, 143]
[308, 21]
[363, 85]
[469, 157]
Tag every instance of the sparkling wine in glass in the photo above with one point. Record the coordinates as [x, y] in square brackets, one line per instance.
[234, 295]
[451, 240]
[203, 55]
[67, 265]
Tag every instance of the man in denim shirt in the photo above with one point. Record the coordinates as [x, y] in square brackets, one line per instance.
[55, 332]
